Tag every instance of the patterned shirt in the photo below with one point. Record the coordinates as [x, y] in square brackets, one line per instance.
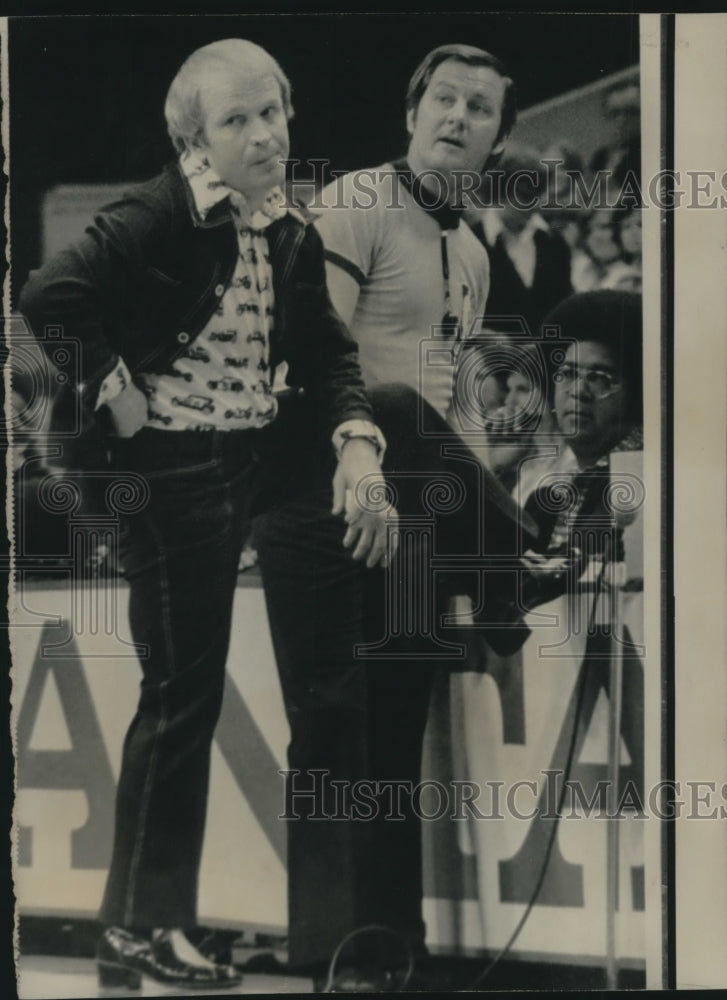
[223, 381]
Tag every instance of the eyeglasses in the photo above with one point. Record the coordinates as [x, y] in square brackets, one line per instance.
[600, 383]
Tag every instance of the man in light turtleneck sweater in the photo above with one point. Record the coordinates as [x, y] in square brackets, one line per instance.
[411, 281]
[403, 266]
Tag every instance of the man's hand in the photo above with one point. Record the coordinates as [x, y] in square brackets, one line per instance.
[508, 438]
[549, 576]
[359, 493]
[129, 411]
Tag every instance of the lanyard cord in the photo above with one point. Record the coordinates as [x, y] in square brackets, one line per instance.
[447, 218]
[450, 324]
[445, 270]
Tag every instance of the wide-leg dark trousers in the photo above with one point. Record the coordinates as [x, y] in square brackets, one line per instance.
[180, 554]
[356, 715]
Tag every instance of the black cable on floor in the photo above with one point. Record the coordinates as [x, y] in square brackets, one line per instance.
[394, 980]
[566, 773]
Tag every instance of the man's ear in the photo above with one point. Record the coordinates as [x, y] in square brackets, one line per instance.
[198, 147]
[499, 147]
[197, 143]
[411, 120]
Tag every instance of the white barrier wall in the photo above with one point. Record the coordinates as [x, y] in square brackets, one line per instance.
[515, 725]
[74, 696]
[75, 690]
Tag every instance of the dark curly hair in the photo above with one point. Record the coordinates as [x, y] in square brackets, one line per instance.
[614, 319]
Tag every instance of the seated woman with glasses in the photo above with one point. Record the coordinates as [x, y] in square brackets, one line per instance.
[596, 397]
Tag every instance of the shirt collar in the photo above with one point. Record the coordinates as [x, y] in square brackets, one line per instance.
[493, 225]
[209, 190]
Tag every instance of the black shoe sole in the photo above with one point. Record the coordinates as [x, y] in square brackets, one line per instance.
[115, 976]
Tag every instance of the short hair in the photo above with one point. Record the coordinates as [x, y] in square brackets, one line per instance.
[613, 319]
[471, 56]
[526, 359]
[518, 157]
[523, 163]
[587, 216]
[182, 108]
[570, 157]
[621, 214]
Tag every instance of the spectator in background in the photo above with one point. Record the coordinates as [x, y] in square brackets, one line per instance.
[597, 251]
[490, 387]
[626, 273]
[629, 231]
[597, 403]
[517, 429]
[562, 207]
[529, 263]
[595, 391]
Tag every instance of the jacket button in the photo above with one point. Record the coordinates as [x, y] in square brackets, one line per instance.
[183, 337]
[219, 291]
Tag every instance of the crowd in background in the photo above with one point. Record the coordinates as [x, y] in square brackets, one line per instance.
[554, 223]
[539, 256]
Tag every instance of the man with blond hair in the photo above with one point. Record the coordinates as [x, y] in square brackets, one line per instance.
[185, 295]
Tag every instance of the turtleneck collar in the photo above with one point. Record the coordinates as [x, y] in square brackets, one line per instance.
[447, 216]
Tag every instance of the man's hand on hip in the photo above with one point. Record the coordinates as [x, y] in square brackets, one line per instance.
[360, 494]
[129, 411]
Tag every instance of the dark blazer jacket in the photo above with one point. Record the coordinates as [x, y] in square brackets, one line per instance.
[147, 276]
[509, 296]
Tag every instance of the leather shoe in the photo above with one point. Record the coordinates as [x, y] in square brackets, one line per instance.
[123, 958]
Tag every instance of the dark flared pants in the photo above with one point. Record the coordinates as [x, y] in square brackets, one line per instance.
[180, 554]
[356, 715]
